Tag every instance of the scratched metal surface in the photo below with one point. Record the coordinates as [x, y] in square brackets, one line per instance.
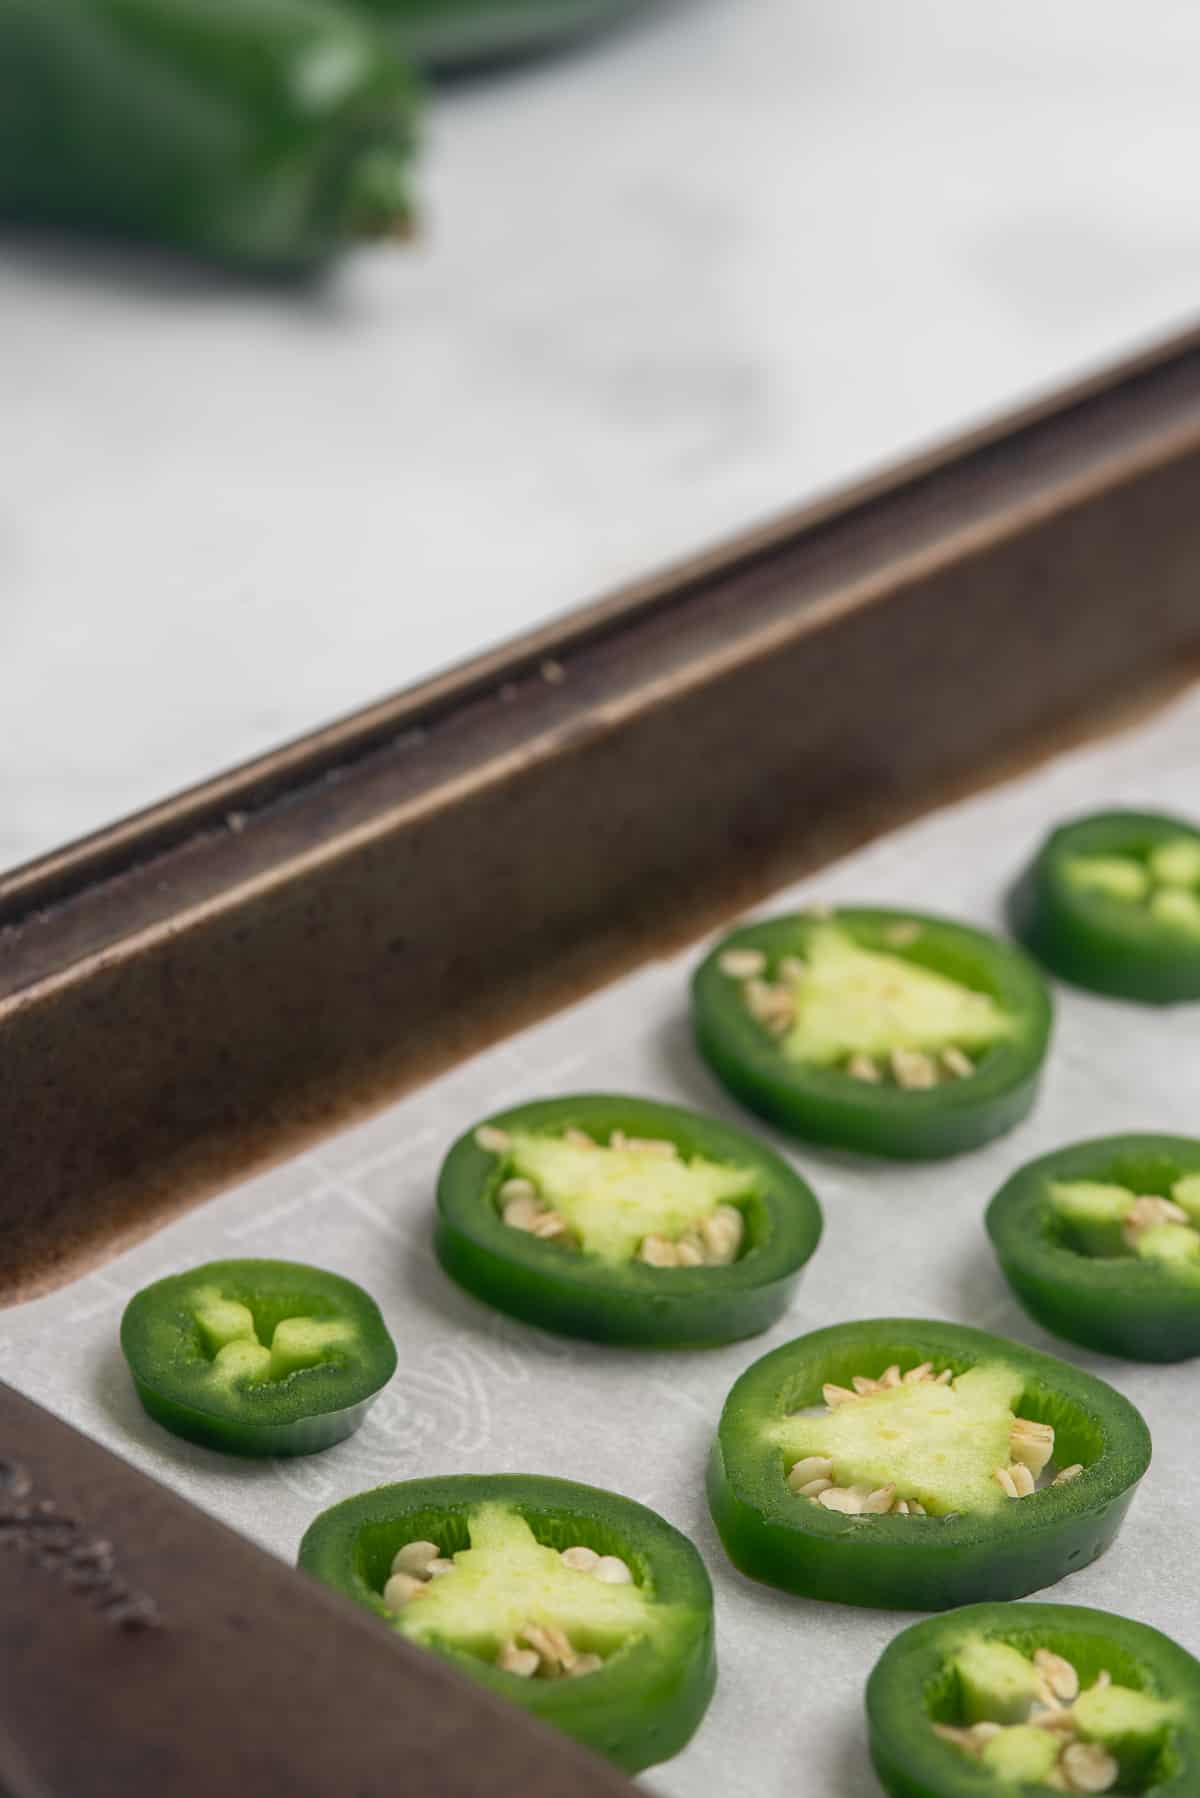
[477, 1393]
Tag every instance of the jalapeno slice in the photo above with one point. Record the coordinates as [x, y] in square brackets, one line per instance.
[882, 1031]
[916, 1465]
[1025, 1697]
[1101, 1244]
[1112, 902]
[624, 1221]
[257, 1357]
[585, 1608]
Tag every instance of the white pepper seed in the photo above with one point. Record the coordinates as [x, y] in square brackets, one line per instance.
[1068, 1474]
[549, 1225]
[1088, 1767]
[518, 1188]
[580, 1559]
[612, 1571]
[843, 1498]
[956, 1063]
[913, 1070]
[658, 1252]
[522, 1214]
[414, 1558]
[492, 1139]
[812, 1467]
[524, 1662]
[742, 964]
[1058, 1673]
[401, 1589]
[585, 1663]
[861, 1067]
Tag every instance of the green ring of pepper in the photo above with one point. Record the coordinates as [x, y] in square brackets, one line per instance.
[1092, 939]
[826, 1105]
[1120, 1305]
[635, 1305]
[308, 1411]
[918, 1563]
[911, 1761]
[640, 1708]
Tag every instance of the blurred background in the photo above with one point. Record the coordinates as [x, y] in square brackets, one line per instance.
[701, 266]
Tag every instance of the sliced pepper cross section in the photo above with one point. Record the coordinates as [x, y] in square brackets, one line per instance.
[1112, 902]
[880, 1031]
[1101, 1243]
[583, 1607]
[257, 1357]
[1003, 1697]
[625, 1221]
[919, 1465]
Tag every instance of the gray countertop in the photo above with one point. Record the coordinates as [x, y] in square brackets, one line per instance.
[696, 272]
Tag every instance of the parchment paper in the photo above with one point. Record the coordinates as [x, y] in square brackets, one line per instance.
[475, 1393]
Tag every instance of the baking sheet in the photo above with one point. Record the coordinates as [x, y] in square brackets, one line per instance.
[476, 1393]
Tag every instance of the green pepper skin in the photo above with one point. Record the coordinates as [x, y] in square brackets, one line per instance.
[310, 1409]
[910, 1677]
[262, 133]
[634, 1305]
[1092, 939]
[449, 34]
[1138, 1309]
[825, 1105]
[642, 1707]
[919, 1563]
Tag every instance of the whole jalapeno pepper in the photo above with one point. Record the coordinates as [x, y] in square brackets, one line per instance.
[265, 133]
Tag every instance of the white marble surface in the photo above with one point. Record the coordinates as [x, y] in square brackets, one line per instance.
[710, 266]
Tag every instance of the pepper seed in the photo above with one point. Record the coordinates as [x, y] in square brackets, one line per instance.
[578, 1139]
[812, 1467]
[414, 1558]
[492, 1139]
[837, 1395]
[549, 1225]
[846, 1499]
[1088, 1768]
[1031, 1443]
[1004, 1480]
[1022, 1479]
[1058, 1673]
[1068, 1474]
[956, 1063]
[579, 1558]
[522, 1213]
[742, 964]
[880, 1501]
[401, 1589]
[524, 1662]
[584, 1663]
[861, 1067]
[658, 1252]
[518, 1188]
[611, 1570]
[913, 1070]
